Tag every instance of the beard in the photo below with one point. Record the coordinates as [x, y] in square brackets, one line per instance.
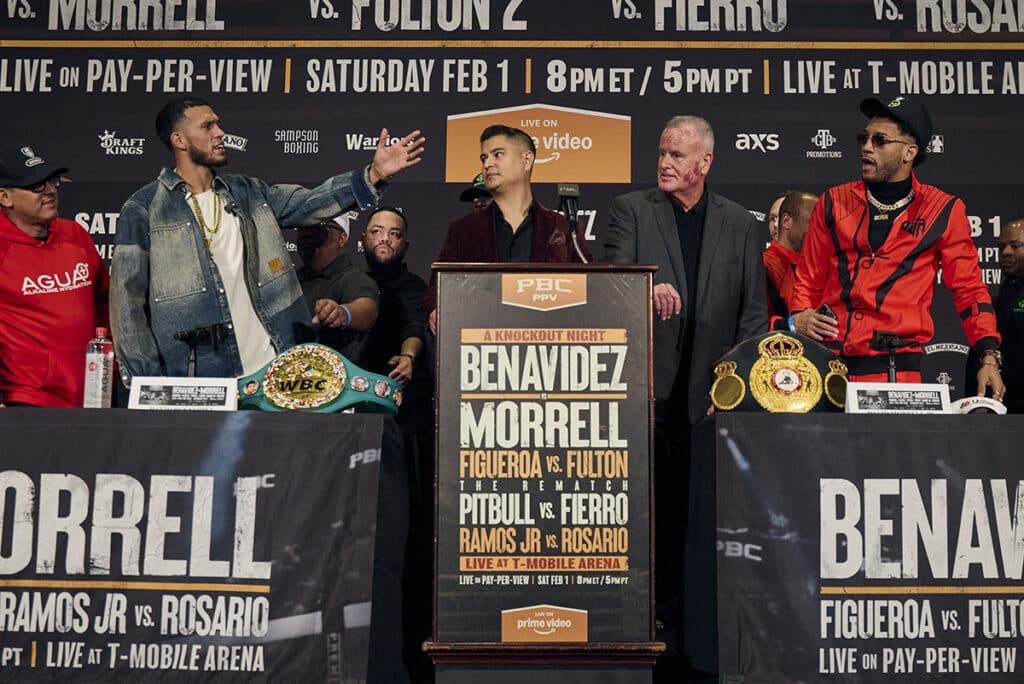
[201, 158]
[883, 171]
[374, 261]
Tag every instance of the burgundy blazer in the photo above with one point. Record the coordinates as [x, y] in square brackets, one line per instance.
[472, 239]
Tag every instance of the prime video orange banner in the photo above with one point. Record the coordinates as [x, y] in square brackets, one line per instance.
[573, 145]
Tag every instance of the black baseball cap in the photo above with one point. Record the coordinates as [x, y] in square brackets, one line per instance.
[21, 167]
[910, 112]
[475, 190]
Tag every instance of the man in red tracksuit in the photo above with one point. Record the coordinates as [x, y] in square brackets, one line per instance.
[53, 287]
[872, 252]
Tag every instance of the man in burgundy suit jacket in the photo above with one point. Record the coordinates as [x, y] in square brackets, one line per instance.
[515, 227]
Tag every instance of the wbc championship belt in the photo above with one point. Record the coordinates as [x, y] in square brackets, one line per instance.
[779, 372]
[314, 378]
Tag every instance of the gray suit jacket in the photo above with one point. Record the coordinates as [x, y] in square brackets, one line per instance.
[730, 303]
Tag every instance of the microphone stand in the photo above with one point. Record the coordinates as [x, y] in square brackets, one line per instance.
[568, 206]
[205, 335]
[889, 342]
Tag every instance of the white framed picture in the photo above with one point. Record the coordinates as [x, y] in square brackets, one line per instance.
[183, 394]
[903, 397]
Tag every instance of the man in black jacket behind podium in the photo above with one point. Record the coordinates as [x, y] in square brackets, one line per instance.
[709, 294]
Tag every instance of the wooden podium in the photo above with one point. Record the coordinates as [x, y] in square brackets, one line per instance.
[543, 554]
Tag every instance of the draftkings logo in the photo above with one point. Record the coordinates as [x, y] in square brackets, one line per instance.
[823, 140]
[52, 283]
[111, 144]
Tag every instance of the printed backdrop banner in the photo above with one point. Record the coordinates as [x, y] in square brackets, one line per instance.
[304, 89]
[142, 546]
[870, 548]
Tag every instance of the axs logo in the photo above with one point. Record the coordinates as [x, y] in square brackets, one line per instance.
[762, 142]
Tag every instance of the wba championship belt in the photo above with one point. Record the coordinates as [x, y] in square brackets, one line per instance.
[779, 372]
[315, 378]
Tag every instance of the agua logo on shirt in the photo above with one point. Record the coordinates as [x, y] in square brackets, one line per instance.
[52, 283]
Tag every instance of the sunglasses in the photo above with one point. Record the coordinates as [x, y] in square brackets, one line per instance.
[879, 140]
[41, 185]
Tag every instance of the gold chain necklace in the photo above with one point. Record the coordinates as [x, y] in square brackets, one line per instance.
[208, 232]
[885, 208]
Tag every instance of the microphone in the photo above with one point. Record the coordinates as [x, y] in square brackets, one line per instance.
[568, 202]
[231, 207]
[885, 341]
[568, 196]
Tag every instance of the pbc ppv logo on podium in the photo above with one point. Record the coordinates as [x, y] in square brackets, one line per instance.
[543, 291]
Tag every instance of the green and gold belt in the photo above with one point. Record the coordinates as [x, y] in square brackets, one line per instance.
[312, 377]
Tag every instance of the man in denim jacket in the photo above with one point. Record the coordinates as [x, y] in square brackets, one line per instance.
[201, 264]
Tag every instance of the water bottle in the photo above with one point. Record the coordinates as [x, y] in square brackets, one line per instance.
[99, 370]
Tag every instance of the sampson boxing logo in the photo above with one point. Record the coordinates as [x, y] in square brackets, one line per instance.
[299, 140]
[52, 283]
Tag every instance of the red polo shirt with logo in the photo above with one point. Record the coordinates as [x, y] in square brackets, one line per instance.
[53, 295]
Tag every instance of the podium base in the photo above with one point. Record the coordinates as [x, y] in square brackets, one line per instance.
[494, 663]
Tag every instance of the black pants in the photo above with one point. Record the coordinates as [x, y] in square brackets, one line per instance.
[671, 495]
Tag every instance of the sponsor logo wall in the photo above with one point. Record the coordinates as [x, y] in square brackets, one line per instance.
[306, 88]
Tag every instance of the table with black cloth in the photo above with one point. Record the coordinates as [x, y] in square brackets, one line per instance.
[787, 582]
[305, 515]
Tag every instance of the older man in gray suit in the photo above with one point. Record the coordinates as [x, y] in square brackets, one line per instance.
[709, 294]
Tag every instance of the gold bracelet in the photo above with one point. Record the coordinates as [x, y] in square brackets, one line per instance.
[380, 174]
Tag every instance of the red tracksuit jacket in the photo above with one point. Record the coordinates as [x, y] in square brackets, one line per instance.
[53, 295]
[891, 290]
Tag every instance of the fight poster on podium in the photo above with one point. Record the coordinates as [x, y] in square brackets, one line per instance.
[543, 487]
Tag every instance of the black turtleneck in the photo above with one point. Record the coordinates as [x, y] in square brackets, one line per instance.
[886, 193]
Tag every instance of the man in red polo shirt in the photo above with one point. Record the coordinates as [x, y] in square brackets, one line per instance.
[53, 287]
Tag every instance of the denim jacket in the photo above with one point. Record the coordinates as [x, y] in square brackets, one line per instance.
[164, 281]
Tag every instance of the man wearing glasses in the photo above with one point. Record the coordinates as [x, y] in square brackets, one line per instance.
[872, 252]
[53, 287]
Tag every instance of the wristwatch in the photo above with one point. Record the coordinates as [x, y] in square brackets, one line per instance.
[995, 354]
